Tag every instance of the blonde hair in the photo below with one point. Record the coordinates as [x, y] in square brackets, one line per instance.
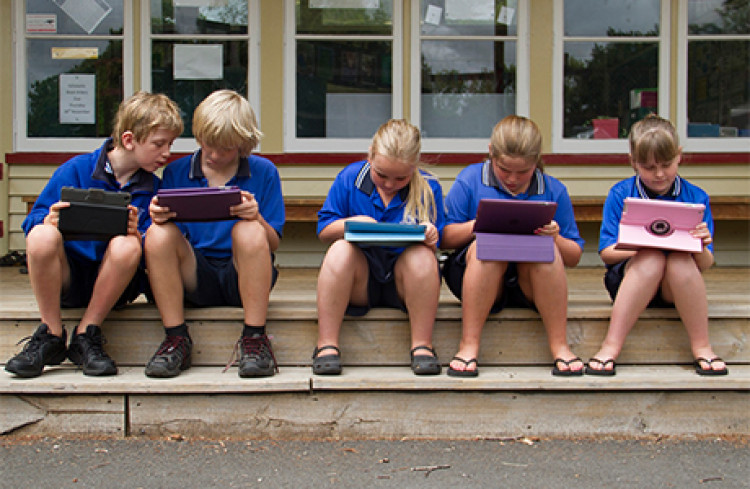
[399, 140]
[518, 137]
[225, 119]
[144, 112]
[653, 136]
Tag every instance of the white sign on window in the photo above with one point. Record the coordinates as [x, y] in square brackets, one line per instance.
[77, 99]
[88, 14]
[198, 62]
[506, 15]
[344, 3]
[36, 23]
[433, 14]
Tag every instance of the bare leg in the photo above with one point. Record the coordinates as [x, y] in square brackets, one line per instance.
[342, 280]
[418, 284]
[49, 273]
[252, 259]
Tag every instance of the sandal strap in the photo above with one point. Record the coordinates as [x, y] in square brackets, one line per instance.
[422, 347]
[572, 360]
[601, 362]
[332, 347]
[464, 361]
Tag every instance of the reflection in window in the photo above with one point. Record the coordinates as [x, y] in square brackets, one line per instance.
[718, 96]
[468, 56]
[344, 83]
[611, 65]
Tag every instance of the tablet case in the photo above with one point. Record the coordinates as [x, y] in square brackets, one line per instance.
[200, 203]
[383, 234]
[94, 214]
[650, 223]
[504, 230]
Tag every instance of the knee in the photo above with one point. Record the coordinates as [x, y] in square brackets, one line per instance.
[249, 236]
[159, 237]
[42, 240]
[339, 258]
[125, 251]
[681, 267]
[419, 261]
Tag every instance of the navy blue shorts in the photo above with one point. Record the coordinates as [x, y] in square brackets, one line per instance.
[218, 282]
[381, 283]
[512, 296]
[83, 274]
[613, 278]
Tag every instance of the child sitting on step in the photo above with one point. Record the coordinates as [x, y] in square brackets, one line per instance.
[97, 275]
[387, 187]
[513, 171]
[219, 263]
[653, 277]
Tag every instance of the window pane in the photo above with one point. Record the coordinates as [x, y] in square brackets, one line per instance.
[173, 18]
[613, 18]
[718, 17]
[188, 84]
[343, 88]
[718, 88]
[469, 17]
[47, 60]
[608, 80]
[360, 17]
[79, 17]
[467, 86]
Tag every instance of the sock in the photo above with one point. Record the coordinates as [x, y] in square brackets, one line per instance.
[253, 330]
[179, 330]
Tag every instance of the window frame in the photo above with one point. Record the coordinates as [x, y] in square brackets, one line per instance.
[699, 145]
[21, 141]
[293, 144]
[464, 145]
[564, 145]
[189, 144]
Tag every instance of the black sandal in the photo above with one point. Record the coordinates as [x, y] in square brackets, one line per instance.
[326, 364]
[710, 370]
[424, 364]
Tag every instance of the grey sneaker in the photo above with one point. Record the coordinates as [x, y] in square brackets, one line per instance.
[87, 350]
[256, 356]
[42, 348]
[172, 357]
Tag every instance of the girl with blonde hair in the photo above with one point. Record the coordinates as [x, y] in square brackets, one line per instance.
[387, 187]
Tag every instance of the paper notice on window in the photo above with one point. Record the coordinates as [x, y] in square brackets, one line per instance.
[433, 14]
[506, 15]
[469, 10]
[41, 23]
[88, 14]
[77, 99]
[200, 3]
[75, 53]
[198, 62]
[345, 4]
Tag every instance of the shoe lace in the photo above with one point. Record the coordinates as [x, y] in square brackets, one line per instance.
[32, 344]
[253, 346]
[172, 343]
[96, 345]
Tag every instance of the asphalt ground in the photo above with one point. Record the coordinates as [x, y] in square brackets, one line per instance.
[519, 463]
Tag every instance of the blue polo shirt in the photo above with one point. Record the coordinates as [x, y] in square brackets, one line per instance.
[255, 174]
[478, 181]
[93, 170]
[681, 191]
[353, 193]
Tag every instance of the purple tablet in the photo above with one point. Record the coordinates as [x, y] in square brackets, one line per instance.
[200, 203]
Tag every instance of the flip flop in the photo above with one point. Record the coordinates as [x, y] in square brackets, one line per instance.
[424, 364]
[568, 372]
[604, 371]
[710, 370]
[464, 373]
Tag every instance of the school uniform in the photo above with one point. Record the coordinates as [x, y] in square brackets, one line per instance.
[681, 191]
[93, 170]
[477, 182]
[212, 241]
[353, 193]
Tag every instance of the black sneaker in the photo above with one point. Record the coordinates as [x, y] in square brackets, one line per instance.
[87, 350]
[256, 356]
[42, 348]
[172, 357]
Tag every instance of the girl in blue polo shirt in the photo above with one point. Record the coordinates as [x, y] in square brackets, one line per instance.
[513, 171]
[388, 187]
[651, 277]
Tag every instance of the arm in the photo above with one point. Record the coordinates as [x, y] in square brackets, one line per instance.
[457, 235]
[248, 210]
[569, 250]
[335, 230]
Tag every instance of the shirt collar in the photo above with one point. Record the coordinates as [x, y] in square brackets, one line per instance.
[365, 184]
[645, 193]
[141, 180]
[196, 172]
[536, 186]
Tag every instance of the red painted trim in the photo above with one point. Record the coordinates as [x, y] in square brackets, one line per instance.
[340, 159]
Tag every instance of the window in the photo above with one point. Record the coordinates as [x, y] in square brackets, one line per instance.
[611, 67]
[343, 72]
[468, 69]
[70, 77]
[714, 100]
[197, 47]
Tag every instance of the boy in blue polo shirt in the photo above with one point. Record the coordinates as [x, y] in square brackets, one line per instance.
[98, 275]
[650, 277]
[222, 263]
[513, 171]
[387, 187]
